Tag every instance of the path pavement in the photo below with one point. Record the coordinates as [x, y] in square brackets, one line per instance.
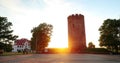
[61, 58]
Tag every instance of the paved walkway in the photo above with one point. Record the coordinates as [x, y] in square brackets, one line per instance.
[61, 58]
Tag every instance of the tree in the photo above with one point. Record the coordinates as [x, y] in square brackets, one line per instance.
[110, 34]
[91, 45]
[41, 36]
[1, 45]
[6, 35]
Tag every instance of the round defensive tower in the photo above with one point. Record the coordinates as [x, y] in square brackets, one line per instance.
[76, 33]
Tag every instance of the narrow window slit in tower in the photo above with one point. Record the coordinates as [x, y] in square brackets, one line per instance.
[73, 25]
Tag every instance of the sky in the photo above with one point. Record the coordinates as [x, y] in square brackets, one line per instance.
[26, 14]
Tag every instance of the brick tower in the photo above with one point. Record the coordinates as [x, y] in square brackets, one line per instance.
[76, 33]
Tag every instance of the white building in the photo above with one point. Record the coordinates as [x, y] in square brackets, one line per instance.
[21, 44]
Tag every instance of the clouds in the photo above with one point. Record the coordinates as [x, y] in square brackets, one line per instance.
[55, 2]
[26, 14]
[21, 6]
[11, 5]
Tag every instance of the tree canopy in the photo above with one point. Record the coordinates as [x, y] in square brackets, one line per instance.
[6, 35]
[41, 36]
[110, 34]
[91, 45]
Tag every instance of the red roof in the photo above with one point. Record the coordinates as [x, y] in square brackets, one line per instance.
[21, 41]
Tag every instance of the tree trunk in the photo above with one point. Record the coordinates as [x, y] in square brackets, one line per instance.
[116, 49]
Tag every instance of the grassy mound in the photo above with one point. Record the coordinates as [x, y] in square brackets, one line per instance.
[97, 50]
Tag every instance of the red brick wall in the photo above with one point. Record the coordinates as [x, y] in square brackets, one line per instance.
[76, 32]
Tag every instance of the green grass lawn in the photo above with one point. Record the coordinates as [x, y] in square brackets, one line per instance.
[10, 53]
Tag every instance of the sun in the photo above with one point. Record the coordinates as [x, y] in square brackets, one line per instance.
[58, 45]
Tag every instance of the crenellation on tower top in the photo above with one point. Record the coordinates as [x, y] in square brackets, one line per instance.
[75, 16]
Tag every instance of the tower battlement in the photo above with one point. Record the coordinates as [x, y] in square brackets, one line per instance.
[75, 16]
